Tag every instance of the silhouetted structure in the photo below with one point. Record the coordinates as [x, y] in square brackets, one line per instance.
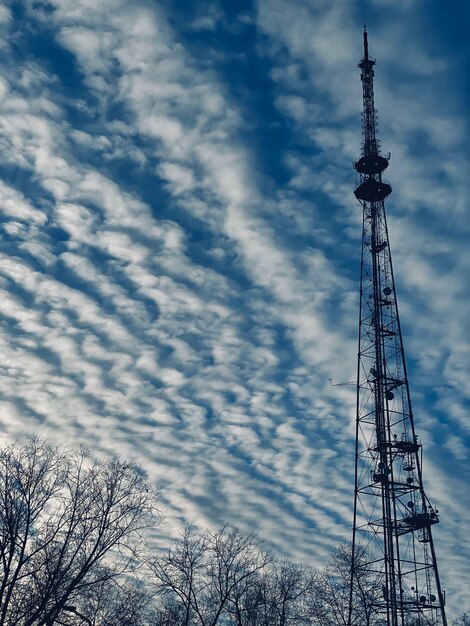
[393, 518]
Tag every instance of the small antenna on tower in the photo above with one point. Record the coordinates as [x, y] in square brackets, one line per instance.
[366, 44]
[345, 384]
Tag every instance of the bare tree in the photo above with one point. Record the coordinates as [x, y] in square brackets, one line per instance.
[249, 603]
[118, 602]
[180, 575]
[168, 613]
[235, 559]
[330, 599]
[462, 620]
[202, 572]
[67, 523]
[229, 578]
[291, 589]
[277, 597]
[72, 549]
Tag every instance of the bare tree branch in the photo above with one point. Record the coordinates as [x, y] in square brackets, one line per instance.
[67, 523]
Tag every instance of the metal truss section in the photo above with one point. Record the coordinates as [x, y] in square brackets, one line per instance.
[393, 518]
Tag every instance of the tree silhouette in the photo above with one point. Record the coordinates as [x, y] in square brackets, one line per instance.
[73, 553]
[203, 573]
[67, 524]
[462, 620]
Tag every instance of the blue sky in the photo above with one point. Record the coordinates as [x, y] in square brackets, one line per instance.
[180, 248]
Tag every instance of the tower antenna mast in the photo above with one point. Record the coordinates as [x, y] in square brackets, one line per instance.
[392, 548]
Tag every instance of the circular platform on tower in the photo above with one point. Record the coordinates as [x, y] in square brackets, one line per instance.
[372, 190]
[371, 164]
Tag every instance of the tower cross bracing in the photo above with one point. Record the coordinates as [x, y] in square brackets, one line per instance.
[393, 518]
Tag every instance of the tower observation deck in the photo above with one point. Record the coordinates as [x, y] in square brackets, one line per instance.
[393, 548]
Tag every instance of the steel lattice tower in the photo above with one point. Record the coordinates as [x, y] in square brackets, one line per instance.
[393, 519]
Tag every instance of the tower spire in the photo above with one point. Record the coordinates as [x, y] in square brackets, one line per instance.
[392, 524]
[366, 44]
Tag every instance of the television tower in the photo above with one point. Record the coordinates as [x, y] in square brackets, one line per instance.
[393, 546]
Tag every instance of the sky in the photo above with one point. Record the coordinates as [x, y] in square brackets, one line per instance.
[180, 249]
